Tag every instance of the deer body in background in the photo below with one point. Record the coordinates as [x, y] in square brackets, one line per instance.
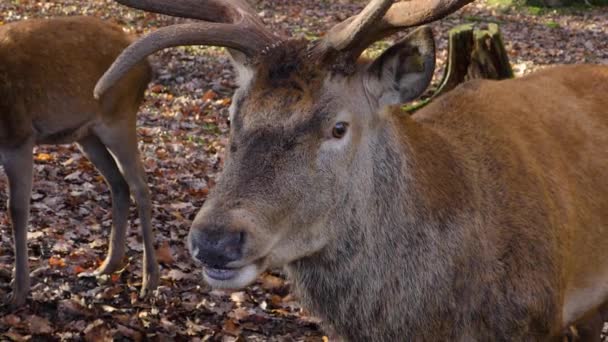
[48, 69]
[482, 217]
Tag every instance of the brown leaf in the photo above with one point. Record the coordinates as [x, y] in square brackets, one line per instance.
[225, 101]
[240, 313]
[271, 282]
[209, 95]
[61, 246]
[163, 253]
[97, 332]
[178, 275]
[73, 176]
[130, 333]
[44, 157]
[230, 327]
[39, 325]
[167, 325]
[56, 262]
[71, 307]
[157, 88]
[35, 235]
[238, 297]
[276, 301]
[78, 269]
[193, 328]
[14, 336]
[11, 320]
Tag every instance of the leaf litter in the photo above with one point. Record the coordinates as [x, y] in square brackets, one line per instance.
[182, 129]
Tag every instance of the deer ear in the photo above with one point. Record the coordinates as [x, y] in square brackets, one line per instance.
[403, 71]
[244, 73]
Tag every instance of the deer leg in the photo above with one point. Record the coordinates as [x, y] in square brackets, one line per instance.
[18, 165]
[97, 153]
[122, 143]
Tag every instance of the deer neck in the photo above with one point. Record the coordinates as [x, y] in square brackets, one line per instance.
[388, 237]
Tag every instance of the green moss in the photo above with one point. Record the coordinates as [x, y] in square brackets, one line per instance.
[540, 7]
[505, 3]
[552, 24]
[376, 49]
[534, 10]
[476, 19]
[308, 35]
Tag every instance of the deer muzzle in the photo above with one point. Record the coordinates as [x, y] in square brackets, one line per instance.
[224, 245]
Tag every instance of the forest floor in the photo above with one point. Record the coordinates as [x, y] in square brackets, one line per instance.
[182, 129]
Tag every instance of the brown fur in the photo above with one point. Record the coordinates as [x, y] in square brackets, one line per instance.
[48, 69]
[42, 86]
[482, 217]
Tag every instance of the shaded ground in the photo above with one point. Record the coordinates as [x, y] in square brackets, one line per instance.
[182, 130]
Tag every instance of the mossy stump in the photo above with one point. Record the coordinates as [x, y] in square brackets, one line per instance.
[474, 51]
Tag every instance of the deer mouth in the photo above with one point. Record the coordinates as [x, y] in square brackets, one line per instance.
[232, 278]
[221, 273]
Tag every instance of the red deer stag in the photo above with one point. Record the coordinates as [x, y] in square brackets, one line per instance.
[482, 217]
[48, 69]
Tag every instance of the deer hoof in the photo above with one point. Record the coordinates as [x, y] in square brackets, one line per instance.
[16, 299]
[151, 279]
[20, 286]
[109, 266]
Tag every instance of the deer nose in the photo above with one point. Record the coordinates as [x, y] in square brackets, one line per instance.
[215, 246]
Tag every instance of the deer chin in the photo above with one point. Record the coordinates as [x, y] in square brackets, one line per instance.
[231, 278]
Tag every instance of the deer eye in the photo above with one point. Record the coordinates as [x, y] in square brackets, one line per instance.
[339, 130]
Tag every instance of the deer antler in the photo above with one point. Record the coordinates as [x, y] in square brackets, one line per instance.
[234, 24]
[379, 19]
[231, 23]
[210, 10]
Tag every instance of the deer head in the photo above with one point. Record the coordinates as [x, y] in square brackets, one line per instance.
[304, 122]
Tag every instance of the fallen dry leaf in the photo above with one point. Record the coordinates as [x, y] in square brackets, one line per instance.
[271, 282]
[238, 296]
[97, 332]
[43, 157]
[130, 333]
[209, 95]
[39, 325]
[56, 262]
[178, 275]
[231, 327]
[164, 254]
[11, 320]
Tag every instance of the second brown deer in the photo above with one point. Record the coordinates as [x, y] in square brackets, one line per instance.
[48, 68]
[483, 217]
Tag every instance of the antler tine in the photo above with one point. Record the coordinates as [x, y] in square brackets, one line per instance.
[215, 11]
[340, 38]
[237, 37]
[399, 16]
[348, 32]
[408, 14]
[209, 10]
[229, 23]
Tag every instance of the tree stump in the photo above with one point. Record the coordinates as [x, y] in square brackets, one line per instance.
[473, 52]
